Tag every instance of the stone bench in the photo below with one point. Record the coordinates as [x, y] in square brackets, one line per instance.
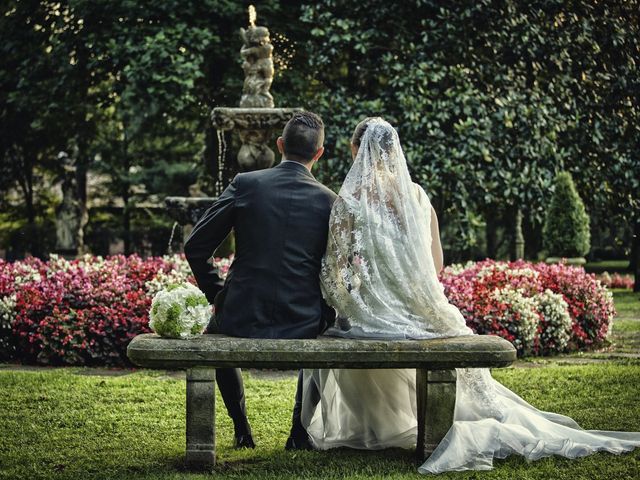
[434, 361]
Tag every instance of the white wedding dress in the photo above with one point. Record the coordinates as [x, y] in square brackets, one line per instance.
[378, 273]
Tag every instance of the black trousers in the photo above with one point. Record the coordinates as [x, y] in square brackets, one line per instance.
[297, 429]
[231, 388]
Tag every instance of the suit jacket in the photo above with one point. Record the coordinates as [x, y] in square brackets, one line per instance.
[280, 218]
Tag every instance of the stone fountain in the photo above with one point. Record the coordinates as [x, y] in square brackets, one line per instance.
[256, 121]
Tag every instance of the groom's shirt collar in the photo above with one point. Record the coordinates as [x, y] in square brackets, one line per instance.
[284, 160]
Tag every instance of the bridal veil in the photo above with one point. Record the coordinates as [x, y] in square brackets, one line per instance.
[379, 274]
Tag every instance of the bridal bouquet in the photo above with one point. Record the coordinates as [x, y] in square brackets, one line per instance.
[179, 311]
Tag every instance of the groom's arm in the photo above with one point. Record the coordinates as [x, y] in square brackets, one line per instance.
[207, 235]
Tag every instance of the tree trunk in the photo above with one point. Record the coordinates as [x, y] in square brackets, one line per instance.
[126, 226]
[82, 167]
[491, 234]
[126, 196]
[635, 254]
[26, 185]
[517, 239]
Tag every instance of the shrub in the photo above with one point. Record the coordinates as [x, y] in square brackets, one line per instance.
[542, 309]
[590, 303]
[554, 329]
[566, 228]
[13, 276]
[86, 311]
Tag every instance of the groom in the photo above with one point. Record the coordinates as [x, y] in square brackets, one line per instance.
[280, 218]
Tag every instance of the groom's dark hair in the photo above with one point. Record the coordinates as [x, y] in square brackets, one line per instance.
[302, 136]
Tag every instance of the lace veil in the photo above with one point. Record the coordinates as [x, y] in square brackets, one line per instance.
[378, 271]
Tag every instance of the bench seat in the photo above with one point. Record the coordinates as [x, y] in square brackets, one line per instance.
[435, 362]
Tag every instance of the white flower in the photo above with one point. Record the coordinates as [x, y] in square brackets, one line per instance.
[178, 275]
[526, 328]
[179, 311]
[7, 310]
[557, 321]
[458, 268]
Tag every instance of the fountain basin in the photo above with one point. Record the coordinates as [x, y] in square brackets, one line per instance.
[187, 210]
[230, 118]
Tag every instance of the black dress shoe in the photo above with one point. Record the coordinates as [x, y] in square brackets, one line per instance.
[244, 441]
[299, 442]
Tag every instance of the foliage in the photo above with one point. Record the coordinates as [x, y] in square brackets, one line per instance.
[121, 81]
[41, 103]
[130, 425]
[491, 99]
[80, 312]
[566, 228]
[542, 309]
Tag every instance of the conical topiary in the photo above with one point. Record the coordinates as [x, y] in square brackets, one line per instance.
[566, 227]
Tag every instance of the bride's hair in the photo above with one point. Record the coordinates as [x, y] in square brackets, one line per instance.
[356, 138]
[384, 136]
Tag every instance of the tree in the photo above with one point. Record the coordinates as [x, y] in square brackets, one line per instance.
[125, 81]
[490, 99]
[566, 228]
[41, 100]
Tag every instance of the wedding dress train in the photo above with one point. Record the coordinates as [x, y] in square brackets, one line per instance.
[378, 273]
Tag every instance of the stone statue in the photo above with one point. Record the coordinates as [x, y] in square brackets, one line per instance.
[257, 64]
[256, 52]
[69, 214]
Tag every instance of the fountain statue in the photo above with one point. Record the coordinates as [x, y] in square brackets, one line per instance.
[255, 121]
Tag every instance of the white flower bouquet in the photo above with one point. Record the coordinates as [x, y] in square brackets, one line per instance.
[179, 311]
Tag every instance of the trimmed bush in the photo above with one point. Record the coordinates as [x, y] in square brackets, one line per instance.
[83, 312]
[566, 227]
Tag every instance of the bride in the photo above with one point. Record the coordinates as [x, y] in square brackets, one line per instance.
[380, 274]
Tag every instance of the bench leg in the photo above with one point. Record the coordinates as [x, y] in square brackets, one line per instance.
[436, 401]
[201, 416]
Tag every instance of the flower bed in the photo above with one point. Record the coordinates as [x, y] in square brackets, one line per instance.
[82, 312]
[542, 309]
[86, 311]
[616, 280]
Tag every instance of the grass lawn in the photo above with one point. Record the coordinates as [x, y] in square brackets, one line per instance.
[69, 423]
[627, 304]
[63, 423]
[625, 331]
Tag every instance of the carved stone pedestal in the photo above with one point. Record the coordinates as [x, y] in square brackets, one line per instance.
[201, 416]
[436, 399]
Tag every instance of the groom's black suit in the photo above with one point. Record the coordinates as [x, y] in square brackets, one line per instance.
[280, 219]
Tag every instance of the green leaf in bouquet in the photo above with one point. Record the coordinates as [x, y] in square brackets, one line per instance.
[170, 327]
[195, 300]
